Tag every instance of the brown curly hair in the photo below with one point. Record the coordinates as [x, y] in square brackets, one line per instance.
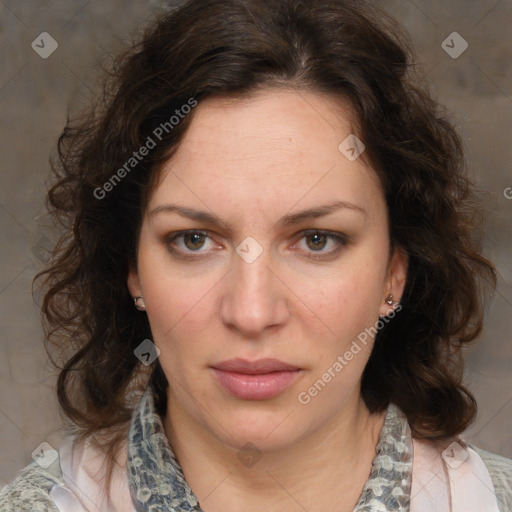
[208, 48]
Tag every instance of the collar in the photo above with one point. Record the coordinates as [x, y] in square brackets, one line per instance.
[157, 482]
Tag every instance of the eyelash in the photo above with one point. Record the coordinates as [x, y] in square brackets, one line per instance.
[340, 240]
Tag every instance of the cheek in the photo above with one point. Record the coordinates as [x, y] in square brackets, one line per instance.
[177, 315]
[348, 306]
[174, 303]
[348, 300]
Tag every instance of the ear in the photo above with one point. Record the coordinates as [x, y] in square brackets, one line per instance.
[133, 283]
[395, 281]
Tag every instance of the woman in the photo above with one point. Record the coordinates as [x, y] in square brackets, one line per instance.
[267, 273]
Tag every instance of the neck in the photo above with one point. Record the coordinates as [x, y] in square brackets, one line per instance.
[324, 470]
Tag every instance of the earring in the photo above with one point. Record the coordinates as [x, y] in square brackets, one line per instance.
[139, 303]
[389, 300]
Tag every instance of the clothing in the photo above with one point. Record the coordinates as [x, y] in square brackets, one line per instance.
[407, 475]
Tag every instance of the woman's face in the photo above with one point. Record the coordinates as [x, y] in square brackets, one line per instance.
[295, 267]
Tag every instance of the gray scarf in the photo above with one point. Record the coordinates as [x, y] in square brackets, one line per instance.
[157, 482]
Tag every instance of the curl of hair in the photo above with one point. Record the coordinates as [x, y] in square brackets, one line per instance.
[232, 48]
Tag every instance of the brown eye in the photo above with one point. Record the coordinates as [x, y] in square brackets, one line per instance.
[318, 241]
[193, 241]
[187, 242]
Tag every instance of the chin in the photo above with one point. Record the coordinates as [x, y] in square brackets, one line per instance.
[266, 429]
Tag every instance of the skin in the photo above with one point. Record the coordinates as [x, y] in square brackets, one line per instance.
[250, 161]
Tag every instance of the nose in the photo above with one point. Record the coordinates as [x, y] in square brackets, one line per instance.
[254, 297]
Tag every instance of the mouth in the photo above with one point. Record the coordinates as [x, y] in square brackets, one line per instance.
[257, 380]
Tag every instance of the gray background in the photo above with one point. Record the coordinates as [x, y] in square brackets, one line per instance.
[35, 94]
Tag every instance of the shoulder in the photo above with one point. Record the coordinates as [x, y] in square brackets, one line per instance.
[30, 490]
[500, 470]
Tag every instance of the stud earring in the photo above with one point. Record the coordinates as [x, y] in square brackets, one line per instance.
[389, 300]
[139, 303]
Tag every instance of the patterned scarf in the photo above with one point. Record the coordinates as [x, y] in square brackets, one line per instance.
[157, 482]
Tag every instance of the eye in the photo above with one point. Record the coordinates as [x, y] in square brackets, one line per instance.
[193, 241]
[185, 243]
[316, 241]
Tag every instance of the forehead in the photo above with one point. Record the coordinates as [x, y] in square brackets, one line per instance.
[270, 150]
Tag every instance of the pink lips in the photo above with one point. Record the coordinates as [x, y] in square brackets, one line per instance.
[256, 380]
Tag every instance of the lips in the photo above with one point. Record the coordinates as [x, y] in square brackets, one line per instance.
[261, 366]
[255, 380]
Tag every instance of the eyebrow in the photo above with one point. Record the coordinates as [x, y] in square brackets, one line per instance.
[287, 220]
